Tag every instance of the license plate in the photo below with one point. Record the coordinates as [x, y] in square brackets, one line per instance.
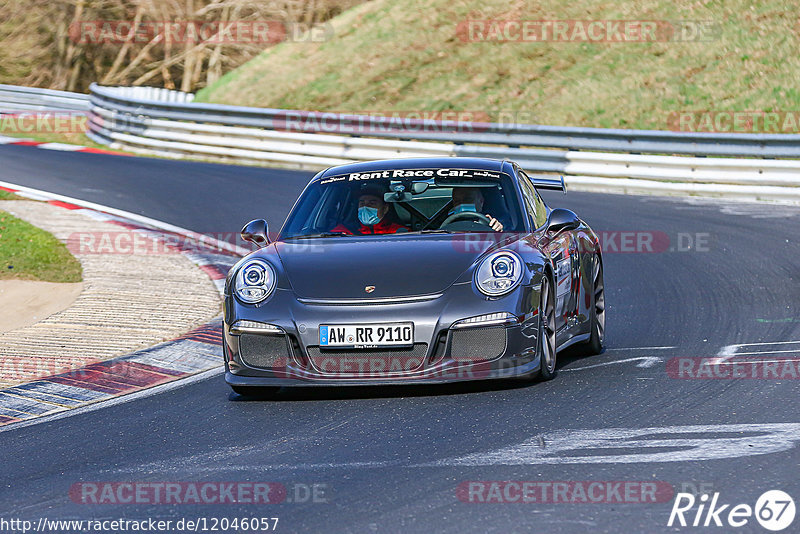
[366, 335]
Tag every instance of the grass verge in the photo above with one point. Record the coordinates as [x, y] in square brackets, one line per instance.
[388, 56]
[7, 195]
[30, 253]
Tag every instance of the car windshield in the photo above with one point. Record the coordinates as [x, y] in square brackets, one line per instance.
[402, 201]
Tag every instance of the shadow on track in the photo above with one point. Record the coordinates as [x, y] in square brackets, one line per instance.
[327, 393]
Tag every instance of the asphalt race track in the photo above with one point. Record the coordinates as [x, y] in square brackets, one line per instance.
[391, 459]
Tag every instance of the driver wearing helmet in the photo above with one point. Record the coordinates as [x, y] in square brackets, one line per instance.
[470, 199]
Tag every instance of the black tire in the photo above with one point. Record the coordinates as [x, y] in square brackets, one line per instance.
[597, 313]
[548, 351]
[255, 391]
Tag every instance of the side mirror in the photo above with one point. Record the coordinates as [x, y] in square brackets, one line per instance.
[256, 232]
[561, 219]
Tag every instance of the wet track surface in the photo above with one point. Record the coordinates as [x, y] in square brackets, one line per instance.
[391, 459]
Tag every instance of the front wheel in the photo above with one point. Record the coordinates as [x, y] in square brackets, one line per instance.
[547, 331]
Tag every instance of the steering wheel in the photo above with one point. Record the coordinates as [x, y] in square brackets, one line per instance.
[472, 215]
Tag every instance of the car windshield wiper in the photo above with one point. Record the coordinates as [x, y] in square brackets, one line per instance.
[435, 231]
[321, 234]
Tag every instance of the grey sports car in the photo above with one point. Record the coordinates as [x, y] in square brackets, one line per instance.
[413, 271]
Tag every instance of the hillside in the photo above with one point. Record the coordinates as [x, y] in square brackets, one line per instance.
[417, 55]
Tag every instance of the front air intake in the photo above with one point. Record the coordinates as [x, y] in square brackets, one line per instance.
[263, 352]
[477, 344]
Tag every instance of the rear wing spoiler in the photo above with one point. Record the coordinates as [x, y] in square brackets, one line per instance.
[555, 184]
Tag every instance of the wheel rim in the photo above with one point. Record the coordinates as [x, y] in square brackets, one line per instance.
[547, 331]
[599, 301]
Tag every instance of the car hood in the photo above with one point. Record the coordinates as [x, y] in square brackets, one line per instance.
[397, 266]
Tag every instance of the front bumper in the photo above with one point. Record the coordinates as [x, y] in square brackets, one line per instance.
[290, 355]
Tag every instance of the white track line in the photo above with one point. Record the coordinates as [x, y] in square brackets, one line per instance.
[641, 348]
[725, 353]
[61, 146]
[795, 351]
[603, 445]
[5, 140]
[729, 351]
[750, 362]
[646, 361]
[766, 343]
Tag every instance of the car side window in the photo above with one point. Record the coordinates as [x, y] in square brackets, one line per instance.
[533, 202]
[525, 185]
[541, 210]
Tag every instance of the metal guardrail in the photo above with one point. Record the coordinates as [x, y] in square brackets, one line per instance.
[256, 135]
[168, 123]
[158, 94]
[508, 135]
[15, 98]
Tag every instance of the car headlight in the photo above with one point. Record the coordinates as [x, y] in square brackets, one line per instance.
[254, 281]
[499, 273]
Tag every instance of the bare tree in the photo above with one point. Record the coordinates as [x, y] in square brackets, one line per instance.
[68, 44]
